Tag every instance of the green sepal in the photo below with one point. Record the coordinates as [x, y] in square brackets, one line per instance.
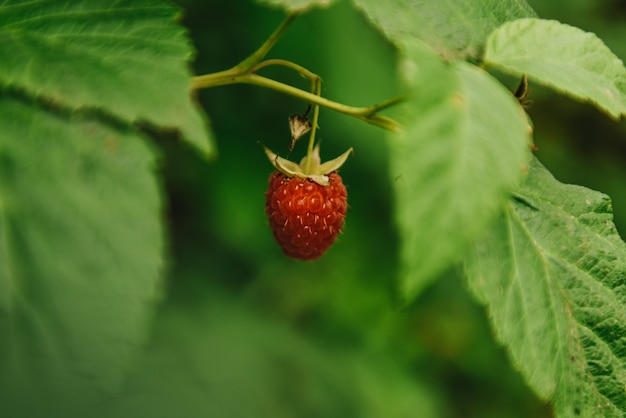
[314, 171]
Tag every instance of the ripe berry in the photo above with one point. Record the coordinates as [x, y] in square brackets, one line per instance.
[306, 204]
[305, 217]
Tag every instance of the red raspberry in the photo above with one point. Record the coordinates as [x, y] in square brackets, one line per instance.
[306, 203]
[305, 216]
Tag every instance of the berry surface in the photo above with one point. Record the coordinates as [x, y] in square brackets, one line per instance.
[305, 217]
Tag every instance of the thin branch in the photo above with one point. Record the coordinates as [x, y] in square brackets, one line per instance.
[300, 69]
[260, 53]
[366, 114]
[245, 72]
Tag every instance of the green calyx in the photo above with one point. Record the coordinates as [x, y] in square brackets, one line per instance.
[310, 167]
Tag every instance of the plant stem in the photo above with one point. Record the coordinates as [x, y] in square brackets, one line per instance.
[366, 114]
[300, 69]
[250, 63]
[245, 72]
[260, 53]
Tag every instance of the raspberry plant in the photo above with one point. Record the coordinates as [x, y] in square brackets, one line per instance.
[94, 95]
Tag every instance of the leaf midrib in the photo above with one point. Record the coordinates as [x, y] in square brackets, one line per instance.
[550, 285]
[546, 256]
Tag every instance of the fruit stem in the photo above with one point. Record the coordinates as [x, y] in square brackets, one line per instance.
[317, 90]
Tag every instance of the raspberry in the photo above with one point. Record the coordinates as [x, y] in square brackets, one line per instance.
[305, 216]
[306, 203]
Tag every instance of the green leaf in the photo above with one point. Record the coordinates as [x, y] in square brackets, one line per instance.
[126, 58]
[454, 28]
[565, 58]
[202, 360]
[455, 163]
[80, 254]
[552, 272]
[296, 5]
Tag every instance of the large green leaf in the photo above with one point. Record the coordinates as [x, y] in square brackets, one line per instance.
[568, 59]
[80, 254]
[127, 58]
[455, 28]
[552, 271]
[464, 147]
[203, 360]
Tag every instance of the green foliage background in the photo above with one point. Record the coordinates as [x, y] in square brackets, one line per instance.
[241, 331]
[347, 300]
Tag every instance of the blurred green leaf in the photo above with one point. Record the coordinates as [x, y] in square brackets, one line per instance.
[80, 254]
[296, 5]
[454, 28]
[563, 57]
[224, 360]
[454, 164]
[552, 270]
[127, 58]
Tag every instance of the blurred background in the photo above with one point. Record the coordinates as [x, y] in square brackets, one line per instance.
[245, 332]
